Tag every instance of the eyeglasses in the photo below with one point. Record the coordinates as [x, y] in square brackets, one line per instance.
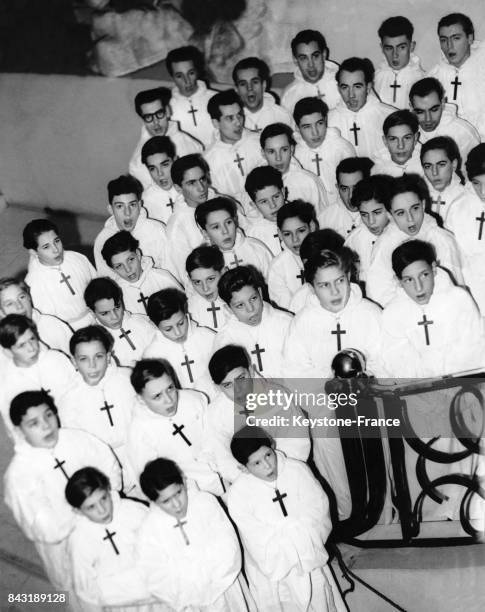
[149, 117]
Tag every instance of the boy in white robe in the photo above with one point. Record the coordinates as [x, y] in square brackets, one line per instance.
[400, 154]
[438, 118]
[251, 79]
[158, 155]
[37, 475]
[56, 278]
[188, 548]
[136, 275]
[254, 324]
[182, 341]
[319, 148]
[283, 517]
[359, 115]
[125, 206]
[171, 422]
[131, 333]
[204, 267]
[401, 67]
[190, 95]
[314, 73]
[430, 328]
[153, 107]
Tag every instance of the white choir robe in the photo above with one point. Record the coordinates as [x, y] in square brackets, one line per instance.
[285, 556]
[324, 159]
[381, 284]
[441, 201]
[59, 290]
[285, 277]
[191, 113]
[189, 359]
[34, 492]
[248, 251]
[159, 203]
[326, 88]
[136, 293]
[150, 234]
[54, 332]
[184, 144]
[208, 314]
[361, 241]
[266, 232]
[301, 184]
[385, 165]
[152, 435]
[367, 136]
[269, 113]
[392, 86]
[453, 341]
[202, 575]
[469, 92]
[339, 218]
[263, 342]
[304, 295]
[131, 338]
[463, 220]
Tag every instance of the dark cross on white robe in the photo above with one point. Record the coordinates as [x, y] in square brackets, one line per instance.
[187, 363]
[177, 429]
[394, 86]
[109, 536]
[258, 351]
[338, 332]
[59, 465]
[214, 309]
[301, 276]
[438, 203]
[246, 411]
[180, 525]
[236, 261]
[455, 84]
[170, 203]
[279, 498]
[108, 408]
[319, 94]
[425, 324]
[481, 220]
[238, 161]
[144, 299]
[317, 159]
[355, 129]
[279, 239]
[192, 111]
[65, 279]
[124, 335]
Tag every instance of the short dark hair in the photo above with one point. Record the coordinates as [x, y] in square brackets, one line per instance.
[306, 37]
[375, 187]
[222, 98]
[103, 288]
[475, 162]
[34, 229]
[205, 256]
[260, 178]
[449, 146]
[227, 359]
[276, 129]
[349, 165]
[412, 183]
[457, 18]
[126, 183]
[252, 62]
[21, 403]
[320, 240]
[158, 475]
[327, 259]
[410, 251]
[119, 243]
[354, 64]
[247, 441]
[13, 326]
[187, 162]
[157, 144]
[91, 333]
[299, 209]
[150, 369]
[165, 303]
[219, 203]
[235, 279]
[424, 87]
[84, 483]
[189, 53]
[396, 26]
[308, 106]
[152, 95]
[400, 117]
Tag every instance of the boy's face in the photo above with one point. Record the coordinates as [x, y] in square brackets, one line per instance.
[310, 59]
[250, 88]
[313, 129]
[263, 464]
[220, 229]
[125, 209]
[127, 265]
[407, 210]
[353, 89]
[176, 328]
[155, 118]
[161, 396]
[278, 152]
[185, 77]
[195, 186]
[247, 305]
[374, 216]
[92, 360]
[428, 110]
[49, 249]
[397, 50]
[205, 282]
[228, 384]
[294, 231]
[159, 165]
[231, 123]
[455, 44]
[438, 168]
[400, 142]
[173, 500]
[346, 183]
[25, 351]
[108, 313]
[15, 300]
[417, 280]
[98, 507]
[332, 288]
[478, 183]
[40, 427]
[268, 201]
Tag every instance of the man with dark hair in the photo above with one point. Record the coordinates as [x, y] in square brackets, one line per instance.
[401, 150]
